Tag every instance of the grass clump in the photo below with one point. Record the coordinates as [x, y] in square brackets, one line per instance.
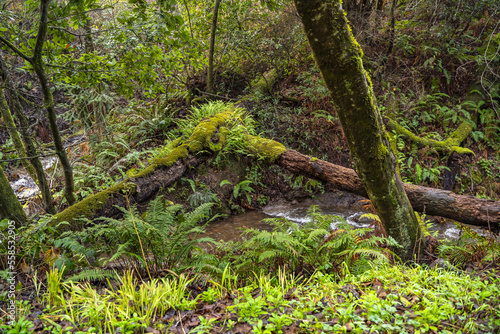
[393, 299]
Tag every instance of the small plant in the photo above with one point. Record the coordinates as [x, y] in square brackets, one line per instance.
[242, 187]
[54, 292]
[19, 326]
[470, 247]
[200, 196]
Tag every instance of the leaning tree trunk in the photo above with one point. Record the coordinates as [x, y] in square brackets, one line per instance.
[14, 134]
[338, 56]
[28, 142]
[210, 71]
[48, 100]
[10, 208]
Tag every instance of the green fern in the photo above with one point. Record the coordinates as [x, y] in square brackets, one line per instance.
[167, 235]
[92, 275]
[470, 247]
[313, 245]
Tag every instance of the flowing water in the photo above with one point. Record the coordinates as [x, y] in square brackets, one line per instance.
[346, 206]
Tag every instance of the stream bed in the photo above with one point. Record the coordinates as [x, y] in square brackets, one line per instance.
[347, 206]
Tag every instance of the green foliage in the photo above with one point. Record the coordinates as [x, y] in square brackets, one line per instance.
[19, 326]
[313, 88]
[241, 188]
[96, 274]
[384, 298]
[163, 237]
[128, 308]
[469, 248]
[200, 196]
[311, 246]
[37, 241]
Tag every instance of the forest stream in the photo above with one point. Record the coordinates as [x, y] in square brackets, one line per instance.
[233, 226]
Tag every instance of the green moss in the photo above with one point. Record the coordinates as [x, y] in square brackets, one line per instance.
[451, 144]
[265, 148]
[265, 84]
[176, 154]
[215, 147]
[459, 135]
[206, 129]
[383, 150]
[313, 159]
[89, 206]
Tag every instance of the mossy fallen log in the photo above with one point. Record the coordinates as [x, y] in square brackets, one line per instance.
[146, 183]
[209, 135]
[264, 85]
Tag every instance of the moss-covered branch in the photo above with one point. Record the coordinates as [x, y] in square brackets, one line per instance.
[209, 135]
[451, 144]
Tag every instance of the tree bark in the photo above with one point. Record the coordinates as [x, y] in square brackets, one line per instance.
[28, 142]
[338, 56]
[10, 208]
[210, 71]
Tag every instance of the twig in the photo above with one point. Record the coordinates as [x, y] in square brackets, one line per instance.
[215, 95]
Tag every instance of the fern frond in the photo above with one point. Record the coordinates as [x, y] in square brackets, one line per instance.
[92, 275]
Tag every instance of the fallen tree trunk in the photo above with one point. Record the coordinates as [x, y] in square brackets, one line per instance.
[145, 184]
[436, 202]
[165, 171]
